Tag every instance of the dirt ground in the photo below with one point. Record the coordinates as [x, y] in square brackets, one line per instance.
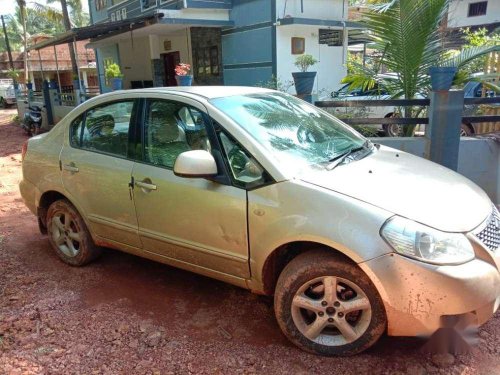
[127, 315]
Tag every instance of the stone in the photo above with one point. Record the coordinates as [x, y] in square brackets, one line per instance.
[443, 360]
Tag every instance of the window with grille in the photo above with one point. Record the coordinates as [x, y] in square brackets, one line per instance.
[478, 9]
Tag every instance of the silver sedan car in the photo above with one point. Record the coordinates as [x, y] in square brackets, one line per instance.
[264, 191]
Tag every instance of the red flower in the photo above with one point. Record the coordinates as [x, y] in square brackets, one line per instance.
[182, 69]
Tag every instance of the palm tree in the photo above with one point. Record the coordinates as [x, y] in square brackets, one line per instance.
[78, 18]
[22, 11]
[406, 34]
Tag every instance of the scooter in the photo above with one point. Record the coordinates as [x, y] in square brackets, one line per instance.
[32, 121]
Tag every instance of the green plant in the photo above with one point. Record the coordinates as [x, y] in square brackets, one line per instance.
[14, 74]
[113, 71]
[304, 62]
[276, 83]
[407, 37]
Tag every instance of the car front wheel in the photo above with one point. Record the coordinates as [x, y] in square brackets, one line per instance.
[69, 235]
[326, 305]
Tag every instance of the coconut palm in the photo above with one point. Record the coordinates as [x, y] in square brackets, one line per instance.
[78, 18]
[406, 34]
[22, 12]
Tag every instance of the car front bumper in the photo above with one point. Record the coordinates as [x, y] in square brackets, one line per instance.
[419, 296]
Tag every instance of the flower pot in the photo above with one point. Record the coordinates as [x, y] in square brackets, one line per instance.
[442, 77]
[184, 80]
[304, 82]
[116, 83]
[29, 86]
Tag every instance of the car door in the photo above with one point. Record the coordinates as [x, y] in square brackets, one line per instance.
[96, 167]
[193, 221]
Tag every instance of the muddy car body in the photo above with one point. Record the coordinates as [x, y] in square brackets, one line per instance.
[259, 189]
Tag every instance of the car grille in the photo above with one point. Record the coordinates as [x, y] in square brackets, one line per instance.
[490, 234]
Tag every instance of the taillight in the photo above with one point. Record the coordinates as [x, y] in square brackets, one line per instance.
[24, 149]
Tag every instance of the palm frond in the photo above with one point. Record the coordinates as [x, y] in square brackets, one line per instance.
[468, 54]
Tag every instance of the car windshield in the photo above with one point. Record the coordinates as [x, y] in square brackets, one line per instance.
[293, 131]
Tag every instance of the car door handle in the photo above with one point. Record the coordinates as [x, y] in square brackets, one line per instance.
[71, 167]
[146, 184]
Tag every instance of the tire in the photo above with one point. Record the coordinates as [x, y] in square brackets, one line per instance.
[392, 130]
[69, 236]
[466, 131]
[303, 282]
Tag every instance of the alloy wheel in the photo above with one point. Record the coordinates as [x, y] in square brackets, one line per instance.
[331, 311]
[66, 234]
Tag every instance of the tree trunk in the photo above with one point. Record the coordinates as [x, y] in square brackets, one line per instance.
[25, 42]
[67, 26]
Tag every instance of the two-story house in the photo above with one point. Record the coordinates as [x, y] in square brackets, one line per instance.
[473, 14]
[230, 42]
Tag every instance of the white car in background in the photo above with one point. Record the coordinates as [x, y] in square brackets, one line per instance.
[376, 93]
[7, 92]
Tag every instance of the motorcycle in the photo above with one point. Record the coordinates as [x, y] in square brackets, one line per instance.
[32, 121]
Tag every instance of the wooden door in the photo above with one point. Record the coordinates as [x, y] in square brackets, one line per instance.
[170, 61]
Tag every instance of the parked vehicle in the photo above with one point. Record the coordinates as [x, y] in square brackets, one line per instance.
[376, 93]
[472, 89]
[32, 120]
[267, 192]
[7, 93]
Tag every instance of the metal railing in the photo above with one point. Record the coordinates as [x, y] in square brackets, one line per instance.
[406, 103]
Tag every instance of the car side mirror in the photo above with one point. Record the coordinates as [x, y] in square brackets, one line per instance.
[196, 163]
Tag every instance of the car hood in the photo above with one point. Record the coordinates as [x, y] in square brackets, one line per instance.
[409, 186]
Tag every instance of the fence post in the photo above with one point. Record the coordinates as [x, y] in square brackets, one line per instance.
[47, 102]
[443, 131]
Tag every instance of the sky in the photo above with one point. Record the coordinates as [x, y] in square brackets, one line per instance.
[9, 6]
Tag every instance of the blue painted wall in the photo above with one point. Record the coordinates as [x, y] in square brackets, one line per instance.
[210, 4]
[249, 49]
[103, 54]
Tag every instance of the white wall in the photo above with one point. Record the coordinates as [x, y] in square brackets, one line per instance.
[179, 42]
[135, 60]
[459, 9]
[478, 159]
[330, 68]
[321, 9]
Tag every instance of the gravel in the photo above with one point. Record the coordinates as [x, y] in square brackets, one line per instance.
[127, 315]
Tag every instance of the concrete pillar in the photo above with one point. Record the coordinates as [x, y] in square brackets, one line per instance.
[85, 79]
[443, 131]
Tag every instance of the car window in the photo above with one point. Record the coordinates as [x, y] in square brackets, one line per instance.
[244, 168]
[106, 128]
[171, 128]
[76, 131]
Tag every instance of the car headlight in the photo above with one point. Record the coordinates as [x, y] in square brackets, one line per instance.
[418, 241]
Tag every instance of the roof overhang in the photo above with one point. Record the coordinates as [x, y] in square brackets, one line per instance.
[98, 30]
[318, 22]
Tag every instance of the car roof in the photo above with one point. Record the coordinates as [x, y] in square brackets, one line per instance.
[207, 92]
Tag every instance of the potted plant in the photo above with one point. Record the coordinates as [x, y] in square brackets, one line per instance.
[182, 75]
[442, 77]
[304, 80]
[115, 76]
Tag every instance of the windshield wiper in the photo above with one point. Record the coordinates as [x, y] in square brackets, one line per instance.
[339, 159]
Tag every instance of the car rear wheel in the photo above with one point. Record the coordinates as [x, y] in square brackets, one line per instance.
[69, 235]
[327, 305]
[392, 130]
[466, 131]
